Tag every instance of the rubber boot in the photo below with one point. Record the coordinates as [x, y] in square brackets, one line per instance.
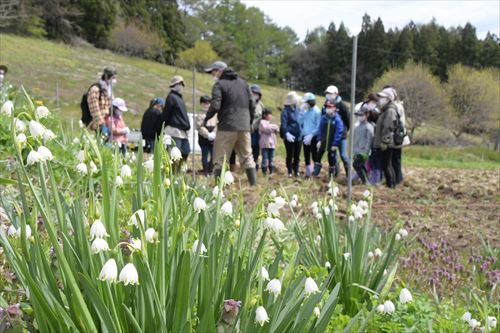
[252, 176]
[332, 172]
[308, 171]
[317, 169]
[271, 169]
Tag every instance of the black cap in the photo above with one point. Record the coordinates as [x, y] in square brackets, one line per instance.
[4, 68]
[109, 71]
[205, 99]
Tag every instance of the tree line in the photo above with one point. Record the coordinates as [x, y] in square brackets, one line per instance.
[192, 33]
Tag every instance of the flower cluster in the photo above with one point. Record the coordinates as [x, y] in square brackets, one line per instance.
[128, 274]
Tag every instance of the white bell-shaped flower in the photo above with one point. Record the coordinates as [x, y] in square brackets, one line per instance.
[126, 171]
[21, 138]
[45, 153]
[405, 296]
[227, 208]
[389, 307]
[98, 245]
[199, 204]
[228, 178]
[310, 287]
[264, 274]
[7, 108]
[175, 154]
[151, 235]
[202, 250]
[274, 287]
[97, 230]
[109, 271]
[81, 168]
[138, 217]
[129, 275]
[261, 316]
[36, 129]
[42, 112]
[34, 157]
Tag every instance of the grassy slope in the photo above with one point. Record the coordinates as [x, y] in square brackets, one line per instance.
[42, 65]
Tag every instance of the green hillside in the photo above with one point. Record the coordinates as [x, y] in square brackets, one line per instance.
[43, 66]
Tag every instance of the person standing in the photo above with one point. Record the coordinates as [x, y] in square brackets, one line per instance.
[363, 140]
[175, 117]
[206, 135]
[233, 104]
[117, 124]
[310, 125]
[259, 107]
[267, 142]
[3, 71]
[332, 94]
[291, 118]
[384, 134]
[151, 124]
[99, 97]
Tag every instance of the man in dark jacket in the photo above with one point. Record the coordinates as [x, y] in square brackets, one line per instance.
[176, 118]
[233, 103]
[151, 124]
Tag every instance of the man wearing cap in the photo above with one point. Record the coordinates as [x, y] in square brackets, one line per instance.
[332, 94]
[3, 71]
[259, 107]
[233, 103]
[384, 134]
[175, 116]
[98, 99]
[151, 124]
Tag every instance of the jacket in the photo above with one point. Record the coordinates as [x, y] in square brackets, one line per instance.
[151, 124]
[401, 112]
[330, 131]
[343, 112]
[291, 121]
[310, 121]
[98, 101]
[232, 102]
[363, 138]
[118, 127]
[175, 112]
[259, 107]
[384, 131]
[267, 133]
[204, 129]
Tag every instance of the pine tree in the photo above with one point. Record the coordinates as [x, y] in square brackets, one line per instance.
[469, 53]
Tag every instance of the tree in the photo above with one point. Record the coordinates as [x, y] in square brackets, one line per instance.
[423, 97]
[490, 51]
[469, 46]
[97, 19]
[199, 56]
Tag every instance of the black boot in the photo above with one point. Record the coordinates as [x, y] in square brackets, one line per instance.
[252, 176]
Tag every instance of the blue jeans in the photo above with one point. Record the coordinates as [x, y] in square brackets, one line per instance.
[343, 154]
[150, 143]
[267, 160]
[207, 150]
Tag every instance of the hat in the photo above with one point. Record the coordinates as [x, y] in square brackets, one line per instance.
[255, 88]
[362, 111]
[393, 89]
[292, 98]
[120, 104]
[158, 100]
[4, 68]
[308, 97]
[109, 71]
[176, 80]
[218, 65]
[205, 99]
[388, 93]
[332, 90]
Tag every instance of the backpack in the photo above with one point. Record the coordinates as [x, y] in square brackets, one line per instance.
[399, 130]
[84, 105]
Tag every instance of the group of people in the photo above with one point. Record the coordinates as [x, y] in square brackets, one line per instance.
[233, 121]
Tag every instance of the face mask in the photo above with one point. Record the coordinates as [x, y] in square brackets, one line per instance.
[360, 119]
[330, 112]
[382, 101]
[114, 81]
[2, 77]
[179, 88]
[329, 97]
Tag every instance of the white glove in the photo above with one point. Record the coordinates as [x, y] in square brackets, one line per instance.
[290, 137]
[318, 145]
[126, 130]
[211, 136]
[307, 139]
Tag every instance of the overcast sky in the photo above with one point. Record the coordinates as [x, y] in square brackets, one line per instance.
[305, 15]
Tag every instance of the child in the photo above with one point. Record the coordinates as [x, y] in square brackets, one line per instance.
[291, 122]
[267, 141]
[330, 132]
[363, 140]
[117, 125]
[206, 135]
[151, 124]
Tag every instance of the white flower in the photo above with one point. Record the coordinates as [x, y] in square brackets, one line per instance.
[199, 204]
[215, 192]
[397, 237]
[295, 197]
[93, 167]
[45, 153]
[167, 140]
[36, 129]
[334, 191]
[48, 135]
[82, 168]
[377, 253]
[293, 203]
[175, 154]
[314, 205]
[385, 272]
[34, 157]
[227, 208]
[492, 322]
[21, 138]
[319, 216]
[310, 287]
[12, 232]
[150, 235]
[347, 255]
[316, 312]
[273, 193]
[273, 209]
[118, 181]
[264, 274]
[389, 307]
[403, 232]
[274, 286]
[228, 178]
[366, 194]
[405, 296]
[109, 271]
[136, 244]
[203, 249]
[99, 245]
[129, 275]
[326, 210]
[80, 156]
[380, 308]
[261, 316]
[280, 202]
[357, 211]
[97, 230]
[20, 125]
[318, 238]
[125, 171]
[473, 323]
[138, 216]
[237, 223]
[268, 222]
[149, 165]
[363, 205]
[328, 265]
[166, 182]
[370, 254]
[28, 231]
[76, 141]
[7, 108]
[351, 218]
[42, 112]
[467, 317]
[81, 124]
[315, 210]
[278, 225]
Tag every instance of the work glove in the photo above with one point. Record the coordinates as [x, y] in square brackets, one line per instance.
[307, 139]
[334, 148]
[126, 130]
[290, 137]
[211, 136]
[318, 145]
[383, 147]
[364, 155]
[104, 130]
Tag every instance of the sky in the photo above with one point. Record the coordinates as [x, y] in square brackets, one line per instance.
[304, 15]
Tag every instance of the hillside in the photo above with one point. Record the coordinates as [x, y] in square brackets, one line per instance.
[44, 66]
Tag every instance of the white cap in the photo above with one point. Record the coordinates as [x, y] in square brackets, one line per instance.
[120, 104]
[389, 93]
[292, 98]
[332, 90]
